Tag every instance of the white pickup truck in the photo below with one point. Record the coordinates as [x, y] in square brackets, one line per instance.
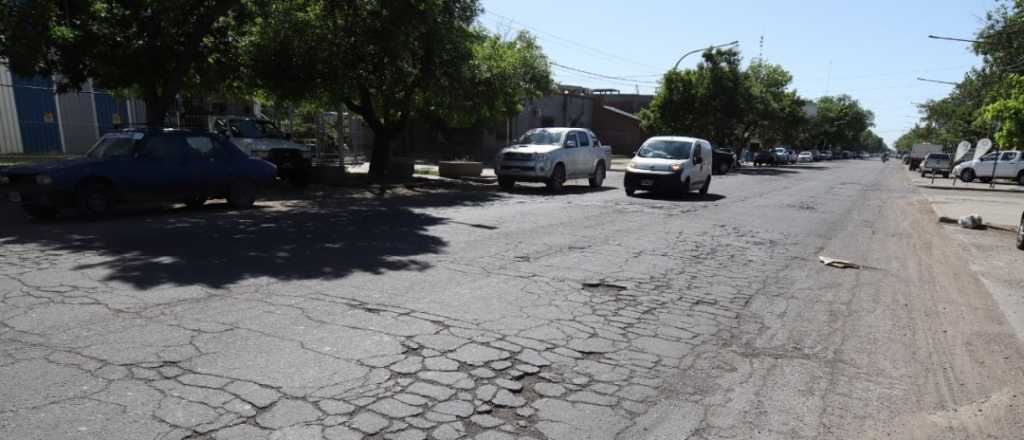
[552, 156]
[1009, 166]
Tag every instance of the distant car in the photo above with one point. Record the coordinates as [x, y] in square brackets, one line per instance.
[724, 160]
[764, 158]
[781, 155]
[670, 163]
[826, 155]
[805, 156]
[262, 139]
[936, 163]
[139, 165]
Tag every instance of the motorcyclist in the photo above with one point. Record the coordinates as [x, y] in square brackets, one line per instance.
[885, 156]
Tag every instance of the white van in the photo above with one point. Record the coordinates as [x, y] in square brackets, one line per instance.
[670, 163]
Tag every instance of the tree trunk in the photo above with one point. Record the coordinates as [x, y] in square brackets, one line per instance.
[380, 159]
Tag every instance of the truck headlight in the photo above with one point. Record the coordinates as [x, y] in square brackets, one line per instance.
[676, 167]
[540, 157]
[44, 179]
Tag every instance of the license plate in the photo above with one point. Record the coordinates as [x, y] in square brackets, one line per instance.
[647, 182]
[14, 197]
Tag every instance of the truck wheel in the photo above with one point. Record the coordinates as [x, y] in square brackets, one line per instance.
[630, 190]
[685, 188]
[723, 168]
[967, 175]
[242, 195]
[598, 178]
[94, 200]
[1020, 178]
[506, 183]
[300, 178]
[40, 212]
[557, 179]
[195, 202]
[706, 186]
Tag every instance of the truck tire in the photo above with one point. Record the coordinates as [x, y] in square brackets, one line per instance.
[1020, 178]
[723, 167]
[967, 175]
[557, 179]
[597, 179]
[630, 190]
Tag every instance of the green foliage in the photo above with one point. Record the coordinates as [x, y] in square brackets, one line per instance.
[151, 47]
[917, 135]
[707, 101]
[840, 122]
[871, 142]
[774, 113]
[1007, 114]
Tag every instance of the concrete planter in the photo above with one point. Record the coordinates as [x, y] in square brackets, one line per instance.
[401, 168]
[454, 169]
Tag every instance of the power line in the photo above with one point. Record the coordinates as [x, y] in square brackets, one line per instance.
[602, 76]
[566, 40]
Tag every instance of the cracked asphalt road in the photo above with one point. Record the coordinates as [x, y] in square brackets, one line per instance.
[460, 312]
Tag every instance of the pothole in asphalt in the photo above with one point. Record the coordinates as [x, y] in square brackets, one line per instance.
[602, 287]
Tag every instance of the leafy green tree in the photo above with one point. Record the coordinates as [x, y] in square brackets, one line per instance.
[871, 142]
[385, 60]
[154, 48]
[707, 101]
[840, 122]
[775, 114]
[919, 134]
[1007, 114]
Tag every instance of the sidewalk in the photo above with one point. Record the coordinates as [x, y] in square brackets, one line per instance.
[1001, 206]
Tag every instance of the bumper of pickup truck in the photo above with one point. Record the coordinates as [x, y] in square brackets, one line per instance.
[524, 170]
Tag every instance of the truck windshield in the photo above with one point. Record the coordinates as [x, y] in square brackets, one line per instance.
[541, 137]
[248, 128]
[660, 149]
[111, 146]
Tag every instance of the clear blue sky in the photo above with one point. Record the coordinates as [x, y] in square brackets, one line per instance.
[876, 48]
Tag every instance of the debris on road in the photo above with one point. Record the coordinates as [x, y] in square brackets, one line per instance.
[834, 262]
[972, 221]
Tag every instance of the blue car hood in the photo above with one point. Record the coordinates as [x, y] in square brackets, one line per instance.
[50, 166]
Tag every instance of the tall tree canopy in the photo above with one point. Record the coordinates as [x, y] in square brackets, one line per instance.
[154, 48]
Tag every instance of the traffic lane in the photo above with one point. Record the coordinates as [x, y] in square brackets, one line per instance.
[592, 299]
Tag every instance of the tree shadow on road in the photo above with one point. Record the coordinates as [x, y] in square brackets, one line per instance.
[765, 171]
[678, 197]
[307, 237]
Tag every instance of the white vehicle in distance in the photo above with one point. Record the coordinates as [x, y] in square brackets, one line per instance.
[670, 163]
[805, 156]
[552, 156]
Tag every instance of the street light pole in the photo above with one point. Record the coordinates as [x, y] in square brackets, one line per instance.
[718, 46]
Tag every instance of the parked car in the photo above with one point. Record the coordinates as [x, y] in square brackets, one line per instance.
[1009, 166]
[1020, 233]
[805, 156]
[764, 158]
[724, 160]
[918, 152]
[826, 155]
[262, 139]
[552, 156]
[936, 163]
[671, 163]
[781, 155]
[139, 165]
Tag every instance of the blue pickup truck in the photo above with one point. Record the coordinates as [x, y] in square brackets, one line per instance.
[139, 165]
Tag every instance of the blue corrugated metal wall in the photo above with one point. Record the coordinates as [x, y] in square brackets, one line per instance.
[110, 112]
[37, 114]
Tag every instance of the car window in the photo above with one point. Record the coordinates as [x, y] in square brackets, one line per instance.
[169, 149]
[584, 140]
[989, 156]
[1008, 156]
[571, 137]
[111, 146]
[597, 141]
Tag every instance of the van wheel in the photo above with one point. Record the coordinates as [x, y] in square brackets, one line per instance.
[598, 178]
[685, 189]
[967, 175]
[506, 183]
[707, 185]
[40, 212]
[557, 179]
[242, 195]
[94, 200]
[1020, 178]
[630, 190]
